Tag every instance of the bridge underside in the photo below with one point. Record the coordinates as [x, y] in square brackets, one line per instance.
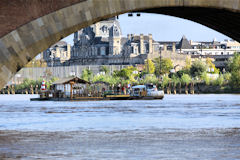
[39, 24]
[223, 21]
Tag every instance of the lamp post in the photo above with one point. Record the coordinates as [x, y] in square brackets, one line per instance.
[160, 60]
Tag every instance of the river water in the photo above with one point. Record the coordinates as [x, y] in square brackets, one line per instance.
[183, 127]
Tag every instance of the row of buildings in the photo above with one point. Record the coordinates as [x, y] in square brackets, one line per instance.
[103, 44]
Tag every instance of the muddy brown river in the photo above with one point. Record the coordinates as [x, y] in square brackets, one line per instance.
[180, 127]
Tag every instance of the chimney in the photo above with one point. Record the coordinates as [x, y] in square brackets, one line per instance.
[150, 44]
[141, 44]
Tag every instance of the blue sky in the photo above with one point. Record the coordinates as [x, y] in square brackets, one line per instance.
[164, 28]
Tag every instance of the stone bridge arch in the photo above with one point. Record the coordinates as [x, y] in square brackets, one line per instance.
[28, 27]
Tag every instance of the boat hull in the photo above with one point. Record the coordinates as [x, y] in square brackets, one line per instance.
[110, 97]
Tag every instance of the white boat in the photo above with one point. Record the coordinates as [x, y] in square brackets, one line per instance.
[148, 91]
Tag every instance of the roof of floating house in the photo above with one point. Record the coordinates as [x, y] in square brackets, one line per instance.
[67, 80]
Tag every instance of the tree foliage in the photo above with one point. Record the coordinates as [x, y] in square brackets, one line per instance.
[149, 66]
[104, 69]
[164, 66]
[197, 68]
[188, 64]
[126, 74]
[211, 66]
[185, 79]
[87, 75]
[235, 71]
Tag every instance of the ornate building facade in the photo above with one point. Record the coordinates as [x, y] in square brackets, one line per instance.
[103, 44]
[57, 54]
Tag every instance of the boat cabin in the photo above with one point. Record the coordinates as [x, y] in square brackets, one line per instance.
[69, 87]
[143, 90]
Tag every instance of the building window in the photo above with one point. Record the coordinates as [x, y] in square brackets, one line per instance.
[132, 49]
[103, 51]
[99, 51]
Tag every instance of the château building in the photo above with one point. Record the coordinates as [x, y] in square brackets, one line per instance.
[57, 54]
[103, 44]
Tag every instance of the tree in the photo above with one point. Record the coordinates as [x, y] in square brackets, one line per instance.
[175, 79]
[188, 64]
[149, 66]
[165, 81]
[87, 75]
[164, 66]
[149, 79]
[104, 69]
[211, 65]
[185, 79]
[235, 71]
[197, 68]
[219, 81]
[125, 73]
[206, 78]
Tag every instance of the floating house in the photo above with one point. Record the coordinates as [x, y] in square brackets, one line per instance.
[69, 87]
[76, 89]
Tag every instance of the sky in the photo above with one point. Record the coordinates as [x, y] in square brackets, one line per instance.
[164, 28]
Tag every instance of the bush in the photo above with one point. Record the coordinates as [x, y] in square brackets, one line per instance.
[149, 79]
[175, 80]
[185, 79]
[165, 81]
[197, 68]
[219, 81]
[235, 71]
[205, 78]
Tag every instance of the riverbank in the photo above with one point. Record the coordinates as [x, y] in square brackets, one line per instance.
[195, 89]
[200, 88]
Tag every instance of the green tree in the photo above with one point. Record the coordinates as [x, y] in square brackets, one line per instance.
[125, 73]
[164, 66]
[104, 69]
[197, 68]
[185, 79]
[149, 66]
[206, 78]
[188, 64]
[165, 81]
[87, 75]
[149, 79]
[211, 65]
[235, 71]
[219, 81]
[175, 79]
